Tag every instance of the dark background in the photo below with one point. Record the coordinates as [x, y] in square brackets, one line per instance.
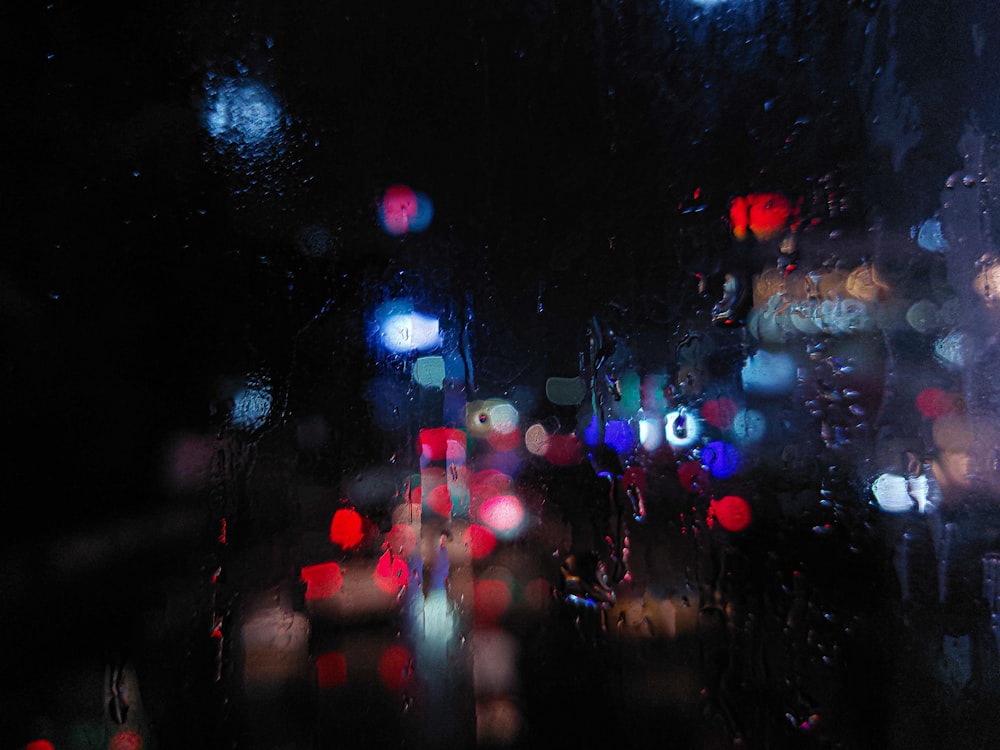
[561, 143]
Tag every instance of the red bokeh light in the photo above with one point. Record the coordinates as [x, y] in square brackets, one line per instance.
[502, 513]
[719, 412]
[331, 670]
[764, 215]
[692, 476]
[402, 539]
[345, 529]
[322, 580]
[434, 442]
[732, 512]
[505, 441]
[488, 482]
[439, 500]
[934, 403]
[399, 207]
[126, 740]
[564, 450]
[416, 495]
[492, 597]
[391, 573]
[394, 667]
[39, 745]
[480, 541]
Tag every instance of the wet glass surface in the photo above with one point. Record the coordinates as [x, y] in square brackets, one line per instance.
[520, 375]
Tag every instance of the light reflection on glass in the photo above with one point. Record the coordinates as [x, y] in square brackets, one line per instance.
[242, 113]
[252, 404]
[683, 428]
[400, 329]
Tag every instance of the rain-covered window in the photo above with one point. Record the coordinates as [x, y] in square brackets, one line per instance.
[502, 375]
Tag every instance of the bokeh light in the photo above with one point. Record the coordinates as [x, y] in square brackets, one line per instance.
[438, 500]
[322, 580]
[495, 667]
[619, 435]
[251, 403]
[930, 236]
[401, 329]
[401, 539]
[536, 440]
[479, 540]
[492, 416]
[395, 667]
[126, 739]
[275, 642]
[683, 428]
[331, 670]
[495, 420]
[565, 391]
[749, 426]
[391, 573]
[442, 443]
[429, 371]
[564, 450]
[769, 373]
[951, 349]
[693, 476]
[504, 417]
[346, 528]
[438, 618]
[502, 514]
[492, 598]
[721, 459]
[719, 412]
[891, 493]
[492, 482]
[731, 511]
[504, 442]
[498, 720]
[763, 215]
[652, 433]
[402, 210]
[935, 402]
[243, 114]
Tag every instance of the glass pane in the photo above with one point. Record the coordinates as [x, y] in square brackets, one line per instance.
[503, 375]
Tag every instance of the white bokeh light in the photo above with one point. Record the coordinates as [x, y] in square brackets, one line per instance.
[407, 332]
[682, 430]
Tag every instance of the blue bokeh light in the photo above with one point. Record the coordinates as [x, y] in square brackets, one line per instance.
[251, 405]
[769, 373]
[619, 436]
[242, 113]
[721, 459]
